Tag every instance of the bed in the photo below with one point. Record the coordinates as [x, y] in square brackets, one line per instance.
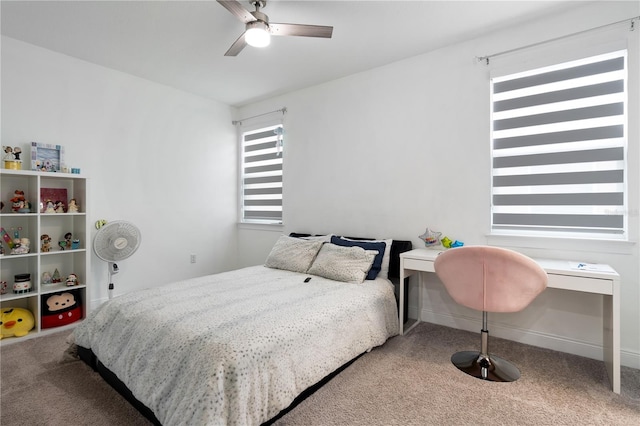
[240, 347]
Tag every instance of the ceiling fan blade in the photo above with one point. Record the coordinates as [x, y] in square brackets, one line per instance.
[301, 30]
[237, 46]
[238, 10]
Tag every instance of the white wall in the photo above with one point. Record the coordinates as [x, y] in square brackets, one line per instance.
[158, 157]
[388, 152]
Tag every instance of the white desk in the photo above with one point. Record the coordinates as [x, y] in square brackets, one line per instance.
[563, 275]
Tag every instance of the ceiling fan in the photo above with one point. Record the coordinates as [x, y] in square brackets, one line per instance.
[258, 29]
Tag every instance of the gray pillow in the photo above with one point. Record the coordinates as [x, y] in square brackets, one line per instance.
[293, 254]
[347, 264]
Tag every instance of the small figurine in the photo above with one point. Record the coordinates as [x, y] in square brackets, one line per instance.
[21, 246]
[72, 280]
[3, 287]
[16, 153]
[55, 278]
[46, 278]
[73, 207]
[59, 207]
[45, 239]
[8, 153]
[75, 244]
[50, 208]
[66, 244]
[18, 201]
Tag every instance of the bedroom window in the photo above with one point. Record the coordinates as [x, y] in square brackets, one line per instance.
[261, 180]
[559, 149]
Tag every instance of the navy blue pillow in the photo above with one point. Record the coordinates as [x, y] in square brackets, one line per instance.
[367, 245]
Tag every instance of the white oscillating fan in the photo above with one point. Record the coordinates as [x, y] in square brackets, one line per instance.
[115, 241]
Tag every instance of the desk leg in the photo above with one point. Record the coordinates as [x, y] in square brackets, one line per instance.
[401, 299]
[611, 335]
[403, 275]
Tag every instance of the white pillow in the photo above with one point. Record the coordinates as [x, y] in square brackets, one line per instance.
[293, 254]
[347, 264]
[386, 258]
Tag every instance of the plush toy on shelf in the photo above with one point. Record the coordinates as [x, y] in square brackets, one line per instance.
[60, 308]
[16, 322]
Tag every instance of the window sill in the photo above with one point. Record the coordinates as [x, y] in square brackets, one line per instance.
[559, 243]
[271, 227]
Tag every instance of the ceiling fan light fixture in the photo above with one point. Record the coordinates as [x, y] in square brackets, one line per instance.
[257, 34]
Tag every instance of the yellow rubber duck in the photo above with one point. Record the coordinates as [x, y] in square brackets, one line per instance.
[16, 322]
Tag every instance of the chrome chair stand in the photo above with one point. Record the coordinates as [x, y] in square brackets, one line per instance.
[482, 365]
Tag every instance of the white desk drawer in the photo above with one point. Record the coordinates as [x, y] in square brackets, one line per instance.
[418, 265]
[588, 285]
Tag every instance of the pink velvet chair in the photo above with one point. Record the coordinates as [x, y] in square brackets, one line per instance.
[489, 279]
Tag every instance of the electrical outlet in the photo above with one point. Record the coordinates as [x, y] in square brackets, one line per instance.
[193, 258]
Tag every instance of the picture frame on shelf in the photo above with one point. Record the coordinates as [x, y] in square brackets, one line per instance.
[55, 196]
[46, 157]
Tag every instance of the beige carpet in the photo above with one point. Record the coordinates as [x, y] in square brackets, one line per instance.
[407, 381]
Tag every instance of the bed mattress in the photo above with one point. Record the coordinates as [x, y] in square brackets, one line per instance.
[238, 347]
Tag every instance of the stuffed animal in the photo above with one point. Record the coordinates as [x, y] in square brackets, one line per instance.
[16, 322]
[60, 309]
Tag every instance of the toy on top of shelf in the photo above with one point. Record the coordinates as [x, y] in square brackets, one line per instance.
[8, 154]
[73, 206]
[3, 287]
[55, 278]
[46, 278]
[45, 239]
[16, 322]
[12, 158]
[59, 207]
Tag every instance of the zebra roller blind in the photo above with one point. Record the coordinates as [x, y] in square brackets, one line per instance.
[558, 148]
[262, 159]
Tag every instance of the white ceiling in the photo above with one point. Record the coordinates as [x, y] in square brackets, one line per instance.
[182, 43]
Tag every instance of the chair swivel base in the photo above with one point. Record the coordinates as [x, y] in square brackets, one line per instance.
[491, 368]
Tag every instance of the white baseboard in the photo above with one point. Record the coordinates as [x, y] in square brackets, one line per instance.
[534, 338]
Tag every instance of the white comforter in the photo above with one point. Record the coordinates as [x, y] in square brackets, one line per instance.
[235, 348]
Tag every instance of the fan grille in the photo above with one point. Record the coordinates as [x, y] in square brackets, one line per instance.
[116, 241]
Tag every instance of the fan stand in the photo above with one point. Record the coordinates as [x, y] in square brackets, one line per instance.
[113, 269]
